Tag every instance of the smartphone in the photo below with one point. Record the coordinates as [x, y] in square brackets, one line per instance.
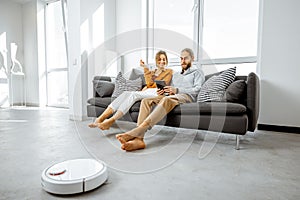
[160, 84]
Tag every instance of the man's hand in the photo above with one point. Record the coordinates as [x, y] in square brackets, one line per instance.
[170, 90]
[160, 92]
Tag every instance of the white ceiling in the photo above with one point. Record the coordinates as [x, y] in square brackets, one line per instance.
[21, 1]
[24, 1]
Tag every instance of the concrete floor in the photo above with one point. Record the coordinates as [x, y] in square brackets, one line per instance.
[177, 163]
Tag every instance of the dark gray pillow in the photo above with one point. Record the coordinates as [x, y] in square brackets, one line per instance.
[137, 73]
[104, 88]
[235, 91]
[102, 78]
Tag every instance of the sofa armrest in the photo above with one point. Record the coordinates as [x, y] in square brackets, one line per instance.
[253, 95]
[99, 78]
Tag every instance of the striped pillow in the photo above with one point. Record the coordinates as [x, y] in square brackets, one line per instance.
[122, 84]
[215, 87]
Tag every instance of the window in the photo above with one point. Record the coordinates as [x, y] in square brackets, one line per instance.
[230, 28]
[226, 30]
[57, 91]
[175, 16]
[229, 34]
[56, 56]
[172, 15]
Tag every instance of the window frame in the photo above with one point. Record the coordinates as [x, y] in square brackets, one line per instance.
[59, 69]
[198, 38]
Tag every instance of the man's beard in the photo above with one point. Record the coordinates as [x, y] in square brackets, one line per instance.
[188, 65]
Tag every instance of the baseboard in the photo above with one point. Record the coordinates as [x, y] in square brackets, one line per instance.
[25, 105]
[32, 105]
[288, 129]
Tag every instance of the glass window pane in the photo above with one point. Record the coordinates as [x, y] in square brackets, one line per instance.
[174, 15]
[57, 89]
[56, 49]
[230, 28]
[57, 80]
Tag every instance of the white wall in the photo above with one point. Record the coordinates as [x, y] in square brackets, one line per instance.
[97, 26]
[41, 53]
[75, 86]
[11, 24]
[30, 38]
[279, 63]
[90, 25]
[19, 21]
[130, 17]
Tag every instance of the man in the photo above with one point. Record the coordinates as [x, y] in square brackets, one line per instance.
[185, 88]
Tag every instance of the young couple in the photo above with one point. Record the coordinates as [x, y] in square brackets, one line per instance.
[184, 88]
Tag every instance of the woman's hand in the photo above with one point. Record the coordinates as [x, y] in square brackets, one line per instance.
[142, 64]
[170, 90]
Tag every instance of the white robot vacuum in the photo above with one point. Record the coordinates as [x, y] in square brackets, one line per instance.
[74, 176]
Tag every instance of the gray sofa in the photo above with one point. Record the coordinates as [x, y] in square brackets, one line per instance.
[228, 117]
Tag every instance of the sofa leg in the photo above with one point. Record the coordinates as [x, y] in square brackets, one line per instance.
[237, 139]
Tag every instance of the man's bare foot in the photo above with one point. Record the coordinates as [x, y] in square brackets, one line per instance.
[135, 144]
[130, 135]
[123, 138]
[106, 124]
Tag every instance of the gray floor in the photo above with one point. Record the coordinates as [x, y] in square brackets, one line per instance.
[177, 163]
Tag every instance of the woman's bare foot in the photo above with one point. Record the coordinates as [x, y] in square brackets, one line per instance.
[93, 125]
[106, 124]
[135, 144]
[109, 111]
[96, 122]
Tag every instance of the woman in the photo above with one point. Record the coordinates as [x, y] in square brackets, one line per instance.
[123, 103]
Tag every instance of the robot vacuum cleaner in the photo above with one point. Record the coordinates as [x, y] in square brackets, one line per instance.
[74, 176]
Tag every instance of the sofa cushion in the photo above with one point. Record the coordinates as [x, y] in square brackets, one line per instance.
[102, 102]
[235, 91]
[137, 73]
[123, 84]
[103, 88]
[216, 108]
[135, 107]
[214, 88]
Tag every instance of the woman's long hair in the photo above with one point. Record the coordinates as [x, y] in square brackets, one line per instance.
[157, 56]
